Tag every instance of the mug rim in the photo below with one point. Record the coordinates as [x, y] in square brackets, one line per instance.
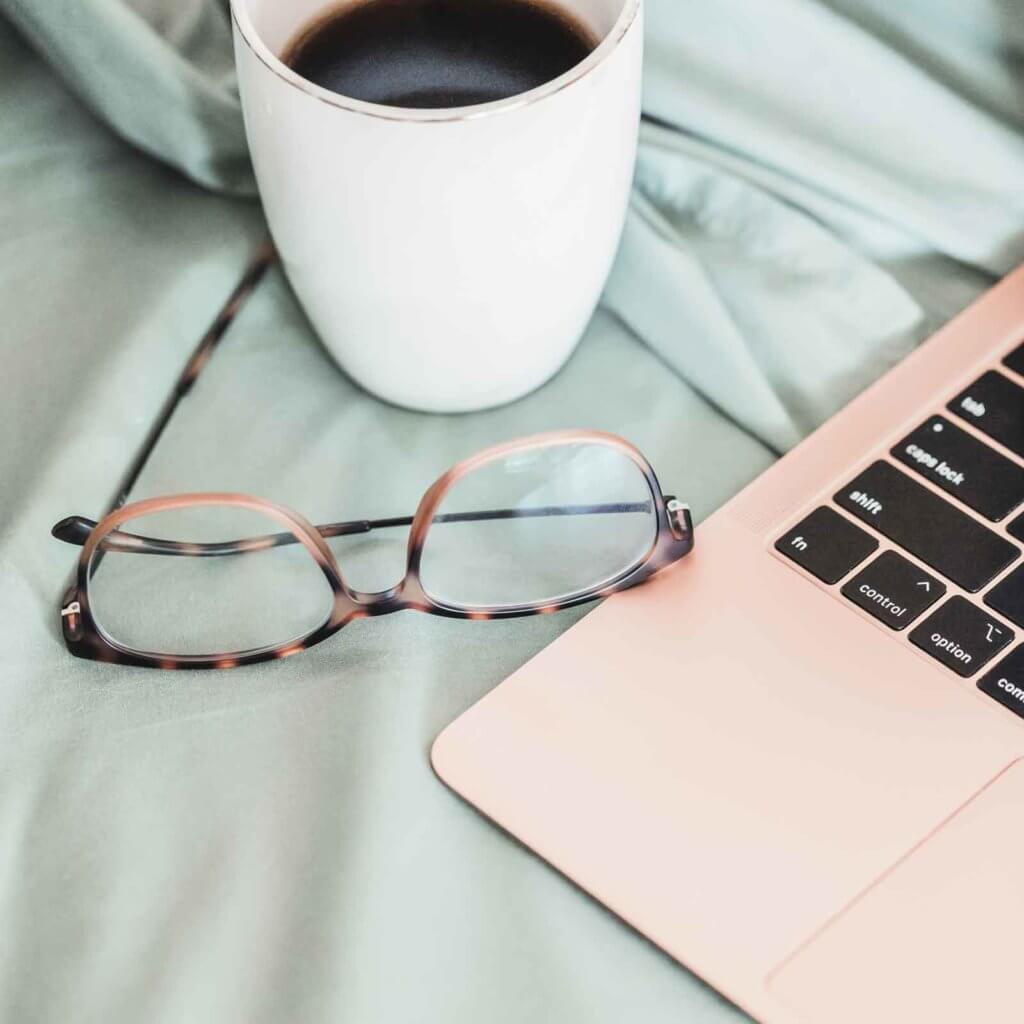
[252, 39]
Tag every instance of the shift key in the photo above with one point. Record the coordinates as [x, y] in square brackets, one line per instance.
[927, 526]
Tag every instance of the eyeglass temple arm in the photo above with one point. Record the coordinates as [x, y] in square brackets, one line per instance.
[76, 529]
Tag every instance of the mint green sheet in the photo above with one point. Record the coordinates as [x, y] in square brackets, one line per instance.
[819, 186]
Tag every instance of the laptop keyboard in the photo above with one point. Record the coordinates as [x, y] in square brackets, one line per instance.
[958, 629]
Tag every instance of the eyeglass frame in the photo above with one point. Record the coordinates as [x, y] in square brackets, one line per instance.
[84, 638]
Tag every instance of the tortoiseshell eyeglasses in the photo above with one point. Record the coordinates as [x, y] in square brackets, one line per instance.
[524, 528]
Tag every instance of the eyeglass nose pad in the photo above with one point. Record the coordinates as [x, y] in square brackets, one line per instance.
[680, 520]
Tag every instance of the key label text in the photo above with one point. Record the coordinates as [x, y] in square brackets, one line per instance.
[866, 502]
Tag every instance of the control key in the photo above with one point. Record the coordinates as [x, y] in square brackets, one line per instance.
[893, 590]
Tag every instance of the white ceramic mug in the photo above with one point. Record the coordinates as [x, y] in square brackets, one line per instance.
[449, 259]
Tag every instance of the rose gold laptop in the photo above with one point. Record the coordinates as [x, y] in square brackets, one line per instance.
[794, 761]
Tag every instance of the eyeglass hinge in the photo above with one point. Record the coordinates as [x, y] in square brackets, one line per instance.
[71, 620]
[679, 518]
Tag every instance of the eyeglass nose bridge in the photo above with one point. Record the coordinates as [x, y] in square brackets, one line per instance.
[376, 602]
[406, 593]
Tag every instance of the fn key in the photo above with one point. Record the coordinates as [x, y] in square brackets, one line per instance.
[826, 544]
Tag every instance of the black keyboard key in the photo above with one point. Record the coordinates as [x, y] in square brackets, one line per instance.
[893, 590]
[995, 405]
[961, 636]
[1015, 360]
[1016, 528]
[826, 544]
[1005, 682]
[963, 466]
[1007, 597]
[928, 526]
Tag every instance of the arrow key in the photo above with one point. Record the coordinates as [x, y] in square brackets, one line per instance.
[893, 590]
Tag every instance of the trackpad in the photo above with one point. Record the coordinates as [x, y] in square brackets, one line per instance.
[937, 938]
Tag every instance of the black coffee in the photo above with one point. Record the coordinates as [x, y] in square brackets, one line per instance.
[438, 53]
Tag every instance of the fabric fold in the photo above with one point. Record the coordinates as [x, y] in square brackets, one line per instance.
[160, 74]
[767, 314]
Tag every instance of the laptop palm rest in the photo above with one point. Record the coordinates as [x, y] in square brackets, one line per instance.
[969, 872]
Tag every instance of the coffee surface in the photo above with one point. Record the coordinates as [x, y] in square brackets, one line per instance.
[438, 53]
